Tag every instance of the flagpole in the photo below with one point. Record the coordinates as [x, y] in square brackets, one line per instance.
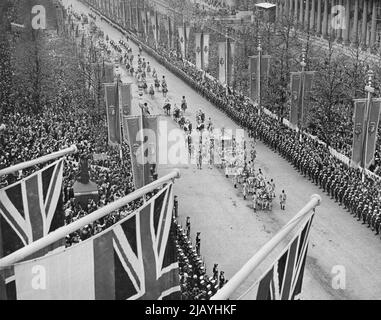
[370, 90]
[142, 135]
[43, 159]
[120, 118]
[234, 283]
[62, 232]
[259, 71]
[301, 92]
[227, 61]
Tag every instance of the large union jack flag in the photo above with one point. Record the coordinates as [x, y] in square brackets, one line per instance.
[28, 212]
[285, 278]
[28, 207]
[145, 255]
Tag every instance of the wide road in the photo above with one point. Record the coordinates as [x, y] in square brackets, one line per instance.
[230, 231]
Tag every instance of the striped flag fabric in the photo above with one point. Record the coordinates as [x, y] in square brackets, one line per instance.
[199, 50]
[143, 154]
[135, 259]
[222, 62]
[126, 98]
[113, 113]
[29, 210]
[206, 51]
[28, 207]
[284, 279]
[374, 120]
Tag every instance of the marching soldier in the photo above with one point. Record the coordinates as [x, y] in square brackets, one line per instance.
[215, 272]
[222, 279]
[198, 242]
[188, 227]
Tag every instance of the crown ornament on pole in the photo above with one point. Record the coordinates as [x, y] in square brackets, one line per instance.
[369, 87]
[259, 48]
[304, 57]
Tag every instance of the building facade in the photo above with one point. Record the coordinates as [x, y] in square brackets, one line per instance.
[351, 22]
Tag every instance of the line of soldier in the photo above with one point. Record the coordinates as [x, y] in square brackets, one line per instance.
[343, 184]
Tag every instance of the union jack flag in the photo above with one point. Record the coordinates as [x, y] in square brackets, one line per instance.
[285, 278]
[28, 212]
[145, 255]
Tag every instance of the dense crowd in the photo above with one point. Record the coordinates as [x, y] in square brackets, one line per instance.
[25, 136]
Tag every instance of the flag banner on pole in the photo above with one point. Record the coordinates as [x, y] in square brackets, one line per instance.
[144, 21]
[148, 21]
[265, 71]
[374, 119]
[150, 124]
[295, 96]
[157, 24]
[133, 260]
[199, 50]
[126, 98]
[284, 279]
[182, 41]
[187, 38]
[222, 62]
[309, 82]
[206, 51]
[170, 32]
[113, 113]
[108, 73]
[29, 210]
[154, 27]
[140, 167]
[231, 57]
[358, 131]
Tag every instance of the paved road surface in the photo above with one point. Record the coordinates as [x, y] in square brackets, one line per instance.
[231, 233]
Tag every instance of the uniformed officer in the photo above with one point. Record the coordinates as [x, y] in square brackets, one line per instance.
[188, 227]
[198, 243]
[283, 198]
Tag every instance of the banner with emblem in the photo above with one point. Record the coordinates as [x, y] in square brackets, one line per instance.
[182, 41]
[231, 57]
[170, 33]
[295, 89]
[187, 37]
[157, 24]
[264, 75]
[144, 21]
[205, 64]
[143, 146]
[300, 94]
[126, 98]
[222, 62]
[199, 51]
[374, 119]
[309, 78]
[154, 28]
[358, 131]
[113, 113]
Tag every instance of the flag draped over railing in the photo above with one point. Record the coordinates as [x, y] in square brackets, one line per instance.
[134, 259]
[283, 280]
[29, 210]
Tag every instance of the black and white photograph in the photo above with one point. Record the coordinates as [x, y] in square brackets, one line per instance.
[201, 151]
